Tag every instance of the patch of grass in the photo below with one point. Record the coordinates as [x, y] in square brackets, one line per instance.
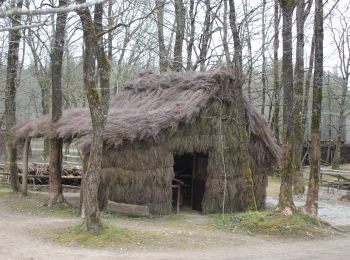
[34, 204]
[62, 210]
[110, 236]
[4, 185]
[271, 223]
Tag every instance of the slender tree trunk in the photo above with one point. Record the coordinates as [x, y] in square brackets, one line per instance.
[55, 180]
[10, 96]
[250, 53]
[285, 197]
[163, 60]
[237, 94]
[205, 37]
[298, 180]
[191, 36]
[276, 83]
[307, 86]
[180, 18]
[224, 38]
[340, 126]
[312, 195]
[263, 67]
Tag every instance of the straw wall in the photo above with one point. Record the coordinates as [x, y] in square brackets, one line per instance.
[141, 173]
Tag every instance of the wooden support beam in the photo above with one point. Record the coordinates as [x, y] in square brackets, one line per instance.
[25, 166]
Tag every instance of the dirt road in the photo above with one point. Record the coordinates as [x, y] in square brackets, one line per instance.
[19, 241]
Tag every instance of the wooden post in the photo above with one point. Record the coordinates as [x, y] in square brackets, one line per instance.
[178, 198]
[25, 166]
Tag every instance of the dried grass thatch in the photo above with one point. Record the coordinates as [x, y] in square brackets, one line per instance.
[158, 115]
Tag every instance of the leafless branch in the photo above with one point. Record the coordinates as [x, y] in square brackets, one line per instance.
[44, 11]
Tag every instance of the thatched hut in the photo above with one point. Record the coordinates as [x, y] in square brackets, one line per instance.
[166, 126]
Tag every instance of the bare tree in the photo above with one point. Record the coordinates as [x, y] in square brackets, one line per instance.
[55, 181]
[340, 35]
[285, 198]
[302, 13]
[98, 104]
[10, 94]
[276, 81]
[311, 206]
[263, 47]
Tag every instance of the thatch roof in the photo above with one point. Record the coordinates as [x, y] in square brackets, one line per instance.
[148, 105]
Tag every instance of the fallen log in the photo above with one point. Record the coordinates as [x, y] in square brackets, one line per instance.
[128, 209]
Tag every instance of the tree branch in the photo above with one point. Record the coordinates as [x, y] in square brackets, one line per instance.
[44, 11]
[20, 27]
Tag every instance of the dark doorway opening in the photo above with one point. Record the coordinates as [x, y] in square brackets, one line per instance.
[191, 170]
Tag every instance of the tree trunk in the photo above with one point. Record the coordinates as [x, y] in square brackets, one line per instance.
[55, 181]
[237, 95]
[340, 126]
[98, 104]
[312, 195]
[276, 83]
[285, 197]
[10, 96]
[250, 54]
[263, 67]
[205, 37]
[180, 16]
[224, 37]
[191, 36]
[163, 60]
[307, 86]
[298, 180]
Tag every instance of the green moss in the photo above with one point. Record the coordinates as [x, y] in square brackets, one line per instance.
[110, 236]
[271, 223]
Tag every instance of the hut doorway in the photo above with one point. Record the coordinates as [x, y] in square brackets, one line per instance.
[191, 170]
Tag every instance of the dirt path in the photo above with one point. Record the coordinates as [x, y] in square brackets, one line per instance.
[19, 241]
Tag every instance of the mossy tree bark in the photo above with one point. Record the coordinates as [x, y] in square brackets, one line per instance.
[98, 105]
[10, 96]
[298, 179]
[312, 195]
[55, 179]
[237, 96]
[285, 197]
[276, 82]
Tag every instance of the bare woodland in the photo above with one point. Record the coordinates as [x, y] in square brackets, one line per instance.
[63, 54]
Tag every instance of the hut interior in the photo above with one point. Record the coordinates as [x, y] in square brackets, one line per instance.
[191, 170]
